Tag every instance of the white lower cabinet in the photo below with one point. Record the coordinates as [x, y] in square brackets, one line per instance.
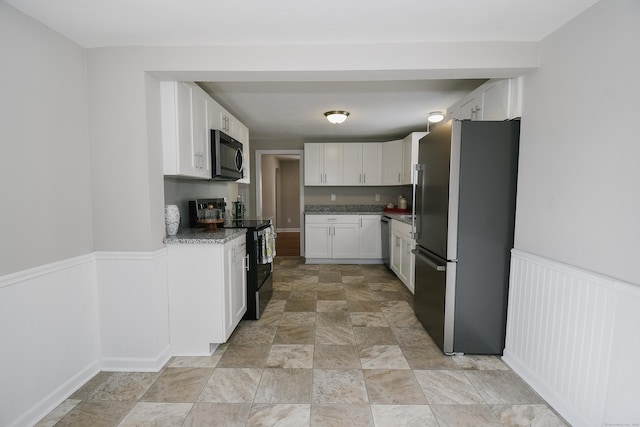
[351, 237]
[207, 294]
[402, 259]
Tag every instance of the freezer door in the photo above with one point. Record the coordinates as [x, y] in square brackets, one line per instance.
[432, 191]
[431, 297]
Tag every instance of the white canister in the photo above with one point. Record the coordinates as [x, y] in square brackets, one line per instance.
[172, 219]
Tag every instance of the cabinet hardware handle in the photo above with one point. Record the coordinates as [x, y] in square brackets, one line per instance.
[399, 180]
[364, 178]
[246, 262]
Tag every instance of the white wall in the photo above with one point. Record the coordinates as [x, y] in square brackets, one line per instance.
[45, 179]
[578, 197]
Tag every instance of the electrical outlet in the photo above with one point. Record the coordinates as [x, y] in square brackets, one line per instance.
[333, 197]
[377, 197]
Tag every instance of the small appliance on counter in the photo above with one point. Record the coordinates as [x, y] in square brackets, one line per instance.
[260, 249]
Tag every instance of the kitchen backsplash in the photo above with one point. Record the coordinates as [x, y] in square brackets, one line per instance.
[343, 208]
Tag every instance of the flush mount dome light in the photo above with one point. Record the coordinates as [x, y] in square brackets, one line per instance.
[435, 117]
[336, 116]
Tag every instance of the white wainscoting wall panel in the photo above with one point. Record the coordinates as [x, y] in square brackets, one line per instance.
[564, 325]
[134, 310]
[50, 345]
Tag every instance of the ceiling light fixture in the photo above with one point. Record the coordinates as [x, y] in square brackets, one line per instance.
[435, 117]
[336, 116]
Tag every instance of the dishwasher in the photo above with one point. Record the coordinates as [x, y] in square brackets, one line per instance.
[385, 229]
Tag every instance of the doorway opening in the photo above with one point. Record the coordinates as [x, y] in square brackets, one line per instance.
[280, 196]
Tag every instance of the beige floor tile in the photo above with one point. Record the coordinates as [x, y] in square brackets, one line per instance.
[526, 415]
[403, 415]
[428, 357]
[231, 385]
[362, 306]
[393, 387]
[252, 334]
[275, 306]
[326, 287]
[217, 415]
[298, 318]
[502, 387]
[245, 356]
[402, 319]
[284, 386]
[300, 305]
[343, 386]
[295, 335]
[334, 319]
[128, 386]
[369, 319]
[58, 413]
[388, 296]
[303, 295]
[382, 357]
[336, 357]
[96, 413]
[361, 295]
[384, 286]
[412, 337]
[482, 363]
[291, 356]
[329, 277]
[332, 295]
[465, 416]
[401, 306]
[331, 415]
[447, 387]
[178, 385]
[267, 318]
[162, 414]
[280, 295]
[335, 335]
[304, 285]
[370, 336]
[332, 305]
[279, 415]
[198, 361]
[90, 386]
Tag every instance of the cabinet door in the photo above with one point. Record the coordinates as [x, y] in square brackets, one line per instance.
[393, 155]
[317, 240]
[396, 252]
[372, 163]
[495, 101]
[370, 239]
[352, 164]
[236, 297]
[406, 273]
[471, 109]
[332, 163]
[313, 160]
[345, 240]
[185, 131]
[200, 136]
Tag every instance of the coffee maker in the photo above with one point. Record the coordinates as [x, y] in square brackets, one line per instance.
[206, 209]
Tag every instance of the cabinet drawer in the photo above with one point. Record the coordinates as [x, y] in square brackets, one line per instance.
[332, 219]
[401, 227]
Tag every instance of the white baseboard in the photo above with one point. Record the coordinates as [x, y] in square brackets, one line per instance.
[131, 364]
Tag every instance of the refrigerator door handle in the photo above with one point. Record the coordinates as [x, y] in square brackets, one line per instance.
[417, 216]
[428, 261]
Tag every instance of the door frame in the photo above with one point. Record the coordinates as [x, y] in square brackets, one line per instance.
[258, 163]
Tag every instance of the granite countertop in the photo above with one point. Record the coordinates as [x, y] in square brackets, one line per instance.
[199, 236]
[343, 209]
[406, 218]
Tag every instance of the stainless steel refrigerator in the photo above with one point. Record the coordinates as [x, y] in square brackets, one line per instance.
[465, 214]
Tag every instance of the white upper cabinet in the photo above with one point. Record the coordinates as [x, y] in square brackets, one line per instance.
[410, 156]
[361, 163]
[323, 163]
[185, 138]
[338, 164]
[494, 100]
[188, 115]
[392, 155]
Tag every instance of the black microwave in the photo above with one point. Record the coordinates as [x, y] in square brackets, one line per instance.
[226, 157]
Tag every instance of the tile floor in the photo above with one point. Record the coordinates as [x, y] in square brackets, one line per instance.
[338, 345]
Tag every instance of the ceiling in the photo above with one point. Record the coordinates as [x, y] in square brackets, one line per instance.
[294, 110]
